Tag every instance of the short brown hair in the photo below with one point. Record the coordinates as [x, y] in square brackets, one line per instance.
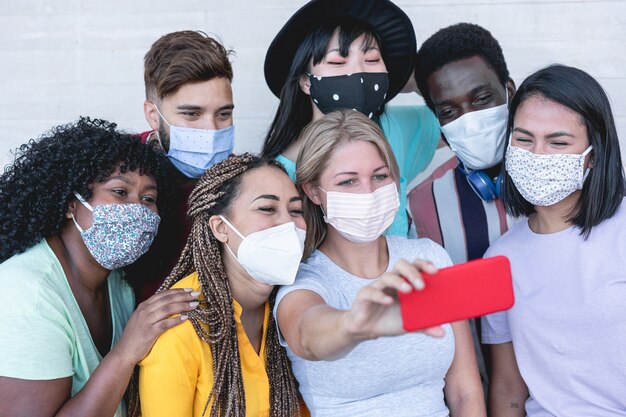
[184, 57]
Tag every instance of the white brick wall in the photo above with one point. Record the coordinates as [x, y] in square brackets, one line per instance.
[63, 58]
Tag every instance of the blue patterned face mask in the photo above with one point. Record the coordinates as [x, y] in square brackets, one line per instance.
[193, 151]
[119, 233]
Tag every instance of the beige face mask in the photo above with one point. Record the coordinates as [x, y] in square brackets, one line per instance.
[362, 218]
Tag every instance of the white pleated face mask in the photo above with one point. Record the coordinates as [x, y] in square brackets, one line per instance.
[477, 138]
[544, 180]
[362, 218]
[271, 256]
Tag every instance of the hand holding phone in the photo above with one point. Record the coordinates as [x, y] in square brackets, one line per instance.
[459, 292]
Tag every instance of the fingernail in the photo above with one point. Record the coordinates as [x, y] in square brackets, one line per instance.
[418, 284]
[183, 317]
[194, 304]
[195, 293]
[188, 289]
[405, 287]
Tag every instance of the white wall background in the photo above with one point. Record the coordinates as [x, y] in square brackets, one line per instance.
[63, 58]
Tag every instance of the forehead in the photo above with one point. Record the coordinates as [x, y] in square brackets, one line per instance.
[266, 180]
[131, 177]
[216, 89]
[538, 111]
[360, 42]
[355, 156]
[460, 78]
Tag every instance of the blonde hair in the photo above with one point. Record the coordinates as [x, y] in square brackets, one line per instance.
[321, 138]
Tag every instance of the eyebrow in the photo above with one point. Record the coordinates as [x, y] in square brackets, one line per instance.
[472, 92]
[121, 178]
[297, 198]
[356, 173]
[364, 49]
[125, 179]
[196, 107]
[268, 197]
[549, 136]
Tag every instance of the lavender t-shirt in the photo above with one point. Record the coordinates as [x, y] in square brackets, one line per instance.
[568, 324]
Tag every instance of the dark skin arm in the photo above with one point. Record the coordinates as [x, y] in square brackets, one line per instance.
[105, 388]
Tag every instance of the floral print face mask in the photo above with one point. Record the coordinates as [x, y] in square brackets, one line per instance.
[544, 180]
[119, 233]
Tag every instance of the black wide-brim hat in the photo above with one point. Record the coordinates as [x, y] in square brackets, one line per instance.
[388, 21]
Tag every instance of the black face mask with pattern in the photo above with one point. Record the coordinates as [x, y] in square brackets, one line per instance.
[361, 91]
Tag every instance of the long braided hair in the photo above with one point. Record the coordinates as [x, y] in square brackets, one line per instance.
[213, 320]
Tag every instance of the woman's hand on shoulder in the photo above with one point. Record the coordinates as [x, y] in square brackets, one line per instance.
[375, 311]
[154, 316]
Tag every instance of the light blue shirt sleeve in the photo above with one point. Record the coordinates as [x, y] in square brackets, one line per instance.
[289, 165]
[413, 133]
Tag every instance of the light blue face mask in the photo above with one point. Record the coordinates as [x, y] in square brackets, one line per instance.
[193, 151]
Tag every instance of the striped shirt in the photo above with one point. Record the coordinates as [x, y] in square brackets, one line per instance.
[445, 209]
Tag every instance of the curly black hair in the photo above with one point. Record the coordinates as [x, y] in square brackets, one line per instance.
[36, 188]
[453, 43]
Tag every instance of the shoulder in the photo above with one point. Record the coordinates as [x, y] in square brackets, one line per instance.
[402, 120]
[514, 236]
[412, 113]
[28, 278]
[143, 136]
[313, 275]
[412, 249]
[190, 281]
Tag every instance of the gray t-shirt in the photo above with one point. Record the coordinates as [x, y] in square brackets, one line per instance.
[393, 376]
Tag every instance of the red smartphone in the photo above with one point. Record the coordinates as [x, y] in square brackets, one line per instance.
[459, 292]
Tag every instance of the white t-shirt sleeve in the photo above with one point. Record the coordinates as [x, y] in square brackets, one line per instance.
[305, 280]
[495, 328]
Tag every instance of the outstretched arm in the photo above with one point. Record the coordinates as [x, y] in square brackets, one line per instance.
[315, 331]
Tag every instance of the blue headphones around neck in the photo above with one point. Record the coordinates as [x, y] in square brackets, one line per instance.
[484, 186]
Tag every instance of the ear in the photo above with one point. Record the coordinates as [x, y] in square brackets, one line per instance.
[71, 209]
[312, 191]
[591, 158]
[510, 86]
[152, 116]
[305, 84]
[219, 228]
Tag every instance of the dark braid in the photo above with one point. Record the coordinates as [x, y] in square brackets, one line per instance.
[213, 320]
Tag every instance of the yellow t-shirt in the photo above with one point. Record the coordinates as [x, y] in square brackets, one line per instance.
[177, 375]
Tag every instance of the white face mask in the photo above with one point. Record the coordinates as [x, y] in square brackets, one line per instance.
[271, 256]
[362, 218]
[477, 138]
[193, 151]
[544, 180]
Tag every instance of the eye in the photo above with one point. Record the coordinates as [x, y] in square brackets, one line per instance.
[224, 115]
[119, 192]
[446, 114]
[148, 199]
[268, 209]
[522, 141]
[295, 212]
[372, 55]
[347, 182]
[483, 99]
[380, 177]
[190, 114]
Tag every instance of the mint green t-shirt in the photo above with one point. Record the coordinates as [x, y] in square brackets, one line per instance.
[44, 334]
